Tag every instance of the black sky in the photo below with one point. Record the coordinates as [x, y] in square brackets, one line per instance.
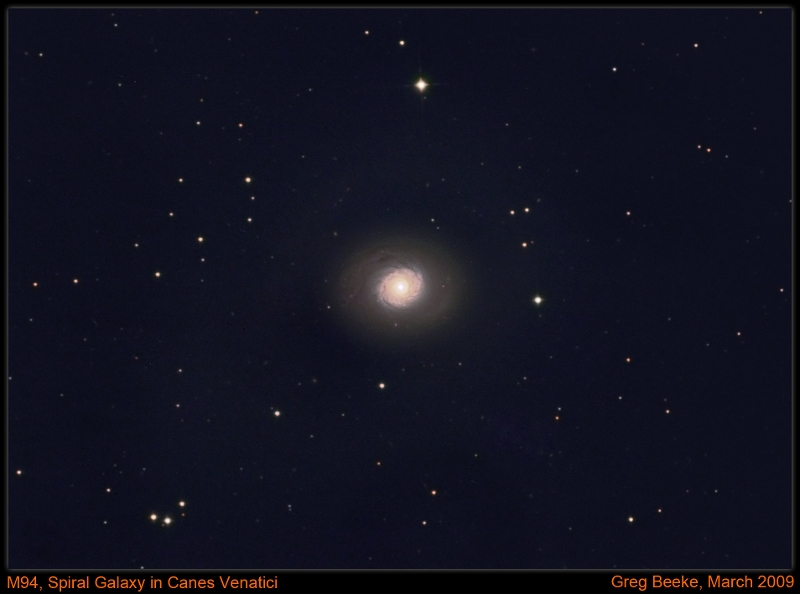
[639, 416]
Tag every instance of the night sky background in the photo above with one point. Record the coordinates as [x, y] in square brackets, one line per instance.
[183, 393]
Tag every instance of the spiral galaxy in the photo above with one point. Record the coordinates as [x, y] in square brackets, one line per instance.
[396, 287]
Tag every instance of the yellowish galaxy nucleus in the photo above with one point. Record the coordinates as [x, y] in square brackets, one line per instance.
[400, 288]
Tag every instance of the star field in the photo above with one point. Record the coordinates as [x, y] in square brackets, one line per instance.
[399, 288]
